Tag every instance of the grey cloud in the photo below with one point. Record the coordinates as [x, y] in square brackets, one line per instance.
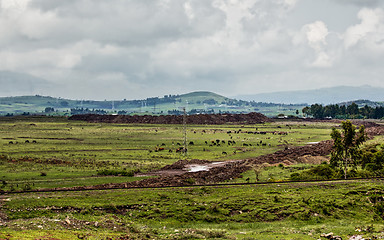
[362, 3]
[129, 22]
[134, 48]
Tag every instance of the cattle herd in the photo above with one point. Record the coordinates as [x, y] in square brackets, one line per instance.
[180, 148]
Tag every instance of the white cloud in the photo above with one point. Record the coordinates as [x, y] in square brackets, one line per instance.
[153, 47]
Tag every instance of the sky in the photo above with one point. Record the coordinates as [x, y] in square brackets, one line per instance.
[134, 49]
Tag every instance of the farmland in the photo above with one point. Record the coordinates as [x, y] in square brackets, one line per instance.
[47, 153]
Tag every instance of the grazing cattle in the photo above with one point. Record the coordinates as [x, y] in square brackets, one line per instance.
[181, 150]
[229, 132]
[34, 141]
[178, 144]
[206, 142]
[222, 141]
[203, 131]
[10, 142]
[264, 144]
[245, 145]
[191, 143]
[159, 149]
[224, 153]
[217, 141]
[170, 150]
[26, 141]
[163, 144]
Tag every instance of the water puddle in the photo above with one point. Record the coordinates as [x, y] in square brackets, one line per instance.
[200, 168]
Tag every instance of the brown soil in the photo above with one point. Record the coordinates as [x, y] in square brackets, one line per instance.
[177, 175]
[250, 118]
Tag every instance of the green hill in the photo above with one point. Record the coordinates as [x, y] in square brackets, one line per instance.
[194, 103]
[201, 96]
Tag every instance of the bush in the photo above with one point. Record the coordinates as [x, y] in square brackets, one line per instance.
[111, 172]
[320, 172]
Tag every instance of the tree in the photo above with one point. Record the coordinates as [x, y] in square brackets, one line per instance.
[346, 145]
[49, 109]
[317, 111]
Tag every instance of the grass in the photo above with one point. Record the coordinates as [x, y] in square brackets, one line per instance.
[70, 154]
[285, 211]
[67, 149]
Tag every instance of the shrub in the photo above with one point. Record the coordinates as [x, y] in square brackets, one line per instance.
[111, 172]
[322, 171]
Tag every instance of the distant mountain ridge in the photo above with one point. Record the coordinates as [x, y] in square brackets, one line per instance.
[325, 96]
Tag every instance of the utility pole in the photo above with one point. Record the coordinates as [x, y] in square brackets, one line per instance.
[185, 130]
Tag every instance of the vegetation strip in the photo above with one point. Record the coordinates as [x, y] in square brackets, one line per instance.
[188, 186]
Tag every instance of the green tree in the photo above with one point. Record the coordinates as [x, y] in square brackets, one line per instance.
[306, 111]
[346, 145]
[317, 111]
[49, 109]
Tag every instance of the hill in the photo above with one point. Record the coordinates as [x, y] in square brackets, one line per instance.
[194, 103]
[323, 95]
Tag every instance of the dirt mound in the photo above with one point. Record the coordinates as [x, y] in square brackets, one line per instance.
[250, 118]
[375, 131]
[293, 155]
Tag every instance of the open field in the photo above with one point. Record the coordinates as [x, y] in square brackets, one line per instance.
[65, 150]
[56, 153]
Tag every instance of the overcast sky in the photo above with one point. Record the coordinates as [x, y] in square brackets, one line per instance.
[133, 49]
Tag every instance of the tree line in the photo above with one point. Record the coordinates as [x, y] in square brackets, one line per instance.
[351, 111]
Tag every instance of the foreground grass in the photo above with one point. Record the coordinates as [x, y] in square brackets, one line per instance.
[285, 211]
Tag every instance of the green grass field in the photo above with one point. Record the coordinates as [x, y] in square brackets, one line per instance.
[282, 211]
[68, 153]
[66, 150]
